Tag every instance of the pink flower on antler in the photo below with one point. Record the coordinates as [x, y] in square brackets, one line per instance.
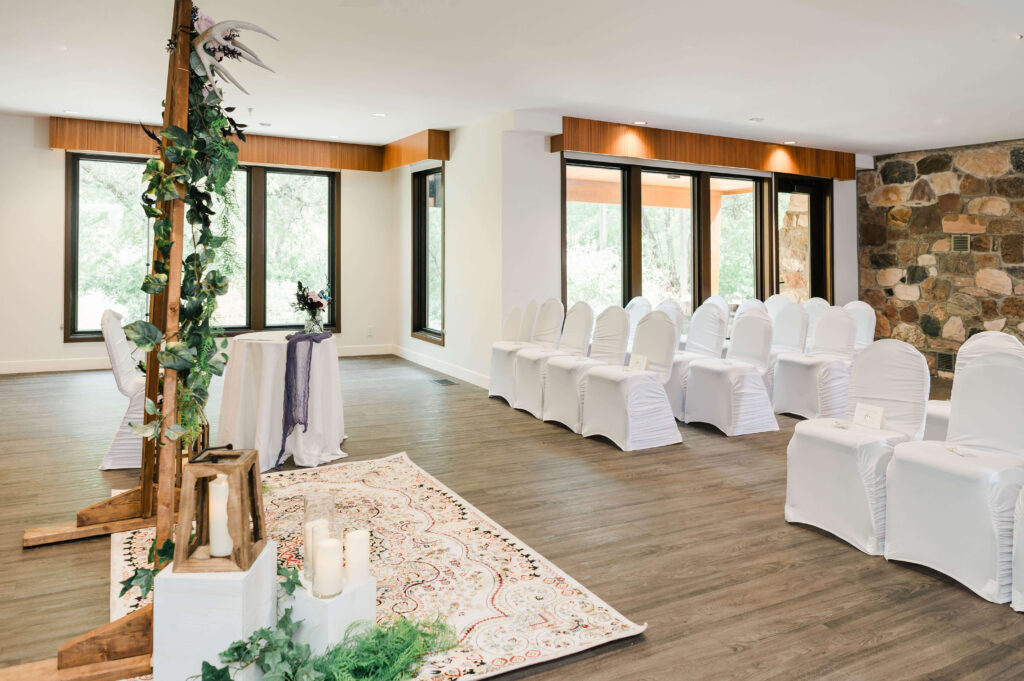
[202, 23]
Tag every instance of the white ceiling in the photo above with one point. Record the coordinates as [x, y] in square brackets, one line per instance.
[869, 76]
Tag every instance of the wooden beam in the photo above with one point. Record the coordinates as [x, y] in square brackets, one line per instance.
[424, 145]
[128, 636]
[633, 141]
[47, 670]
[119, 507]
[54, 534]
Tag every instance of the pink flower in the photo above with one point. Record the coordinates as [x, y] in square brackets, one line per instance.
[203, 22]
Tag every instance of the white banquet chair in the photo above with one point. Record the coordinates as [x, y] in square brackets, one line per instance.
[637, 309]
[723, 305]
[546, 333]
[814, 307]
[125, 451]
[774, 303]
[950, 505]
[835, 477]
[531, 362]
[864, 316]
[789, 335]
[564, 377]
[629, 406]
[814, 385]
[674, 310]
[513, 322]
[746, 304]
[733, 392]
[707, 334]
[751, 304]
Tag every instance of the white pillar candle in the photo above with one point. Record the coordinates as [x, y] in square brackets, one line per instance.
[220, 541]
[309, 545]
[327, 579]
[357, 557]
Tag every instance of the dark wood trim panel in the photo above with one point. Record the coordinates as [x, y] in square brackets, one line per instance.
[426, 145]
[257, 248]
[632, 141]
[633, 232]
[565, 243]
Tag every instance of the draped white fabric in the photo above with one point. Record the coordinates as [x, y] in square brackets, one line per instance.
[814, 385]
[864, 316]
[545, 334]
[950, 505]
[835, 475]
[253, 402]
[774, 303]
[629, 406]
[531, 362]
[564, 375]
[936, 421]
[510, 329]
[674, 310]
[731, 393]
[814, 307]
[751, 304]
[526, 323]
[789, 335]
[125, 450]
[707, 334]
[637, 309]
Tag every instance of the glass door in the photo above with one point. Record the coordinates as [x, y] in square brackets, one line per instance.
[801, 238]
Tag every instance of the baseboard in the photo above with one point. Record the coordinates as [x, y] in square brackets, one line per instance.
[45, 366]
[360, 350]
[455, 370]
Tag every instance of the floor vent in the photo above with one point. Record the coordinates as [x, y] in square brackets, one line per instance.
[960, 243]
[443, 381]
[945, 361]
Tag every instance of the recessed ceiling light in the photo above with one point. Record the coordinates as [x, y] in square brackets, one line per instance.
[70, 112]
[639, 122]
[790, 142]
[333, 137]
[266, 125]
[379, 115]
[1018, 36]
[756, 119]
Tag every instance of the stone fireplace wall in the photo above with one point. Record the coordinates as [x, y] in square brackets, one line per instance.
[908, 208]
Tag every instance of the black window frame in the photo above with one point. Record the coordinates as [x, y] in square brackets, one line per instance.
[255, 276]
[420, 242]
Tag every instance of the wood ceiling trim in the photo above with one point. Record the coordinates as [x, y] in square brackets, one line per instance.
[633, 141]
[423, 146]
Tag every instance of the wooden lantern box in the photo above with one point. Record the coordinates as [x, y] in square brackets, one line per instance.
[247, 523]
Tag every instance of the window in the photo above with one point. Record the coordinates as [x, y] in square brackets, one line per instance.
[593, 235]
[667, 241]
[732, 239]
[282, 227]
[428, 255]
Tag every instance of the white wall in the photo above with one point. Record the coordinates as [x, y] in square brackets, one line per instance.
[844, 242]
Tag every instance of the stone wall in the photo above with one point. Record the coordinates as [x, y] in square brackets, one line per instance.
[908, 208]
[795, 248]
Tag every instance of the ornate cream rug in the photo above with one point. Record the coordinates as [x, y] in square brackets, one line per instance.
[432, 554]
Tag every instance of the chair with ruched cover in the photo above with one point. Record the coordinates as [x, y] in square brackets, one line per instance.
[564, 375]
[125, 450]
[864, 316]
[814, 307]
[746, 304]
[789, 335]
[707, 334]
[835, 476]
[814, 385]
[733, 392]
[531, 363]
[637, 309]
[546, 333]
[629, 406]
[950, 505]
[774, 303]
[674, 310]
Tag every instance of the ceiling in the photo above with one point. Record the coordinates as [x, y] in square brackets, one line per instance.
[868, 76]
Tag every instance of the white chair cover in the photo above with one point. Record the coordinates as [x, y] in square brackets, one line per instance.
[937, 419]
[526, 324]
[707, 334]
[503, 357]
[789, 335]
[774, 303]
[733, 394]
[637, 309]
[751, 304]
[864, 316]
[125, 450]
[564, 375]
[720, 302]
[674, 310]
[814, 385]
[510, 329]
[531, 362]
[950, 505]
[814, 307]
[546, 333]
[629, 406]
[836, 470]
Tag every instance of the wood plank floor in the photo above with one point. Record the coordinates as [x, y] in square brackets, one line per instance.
[690, 539]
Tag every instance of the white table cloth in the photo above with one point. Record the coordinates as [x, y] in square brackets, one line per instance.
[253, 402]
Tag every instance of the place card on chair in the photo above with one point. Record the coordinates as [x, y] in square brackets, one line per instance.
[638, 362]
[869, 415]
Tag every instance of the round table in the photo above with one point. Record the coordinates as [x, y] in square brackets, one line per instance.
[252, 405]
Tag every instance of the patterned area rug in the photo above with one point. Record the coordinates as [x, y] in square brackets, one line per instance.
[432, 554]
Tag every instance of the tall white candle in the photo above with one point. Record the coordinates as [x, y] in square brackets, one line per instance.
[357, 557]
[309, 546]
[327, 579]
[220, 541]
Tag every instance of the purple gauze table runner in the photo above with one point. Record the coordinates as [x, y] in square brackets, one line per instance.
[296, 384]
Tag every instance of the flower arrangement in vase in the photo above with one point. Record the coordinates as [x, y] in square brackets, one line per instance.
[313, 304]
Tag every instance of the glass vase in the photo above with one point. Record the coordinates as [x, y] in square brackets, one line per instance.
[317, 517]
[314, 323]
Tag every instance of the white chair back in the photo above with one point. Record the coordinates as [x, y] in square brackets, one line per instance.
[548, 329]
[834, 334]
[893, 375]
[814, 307]
[775, 303]
[579, 322]
[789, 328]
[655, 339]
[510, 329]
[119, 351]
[610, 335]
[637, 309]
[674, 310]
[707, 331]
[987, 403]
[981, 343]
[752, 338]
[720, 302]
[750, 304]
[526, 324]
[864, 316]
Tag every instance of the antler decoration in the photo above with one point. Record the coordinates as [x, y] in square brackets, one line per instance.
[224, 35]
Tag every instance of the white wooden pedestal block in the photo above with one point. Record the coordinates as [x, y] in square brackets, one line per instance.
[325, 620]
[197, 615]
